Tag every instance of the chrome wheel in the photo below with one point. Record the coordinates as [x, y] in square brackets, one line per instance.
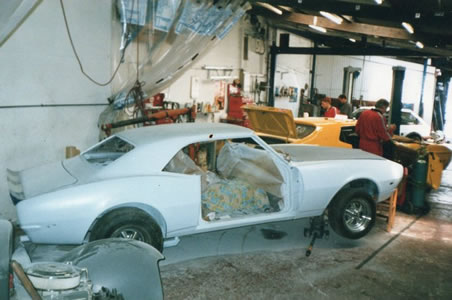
[357, 215]
[129, 232]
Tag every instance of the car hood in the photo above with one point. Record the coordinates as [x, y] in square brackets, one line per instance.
[38, 180]
[271, 120]
[305, 153]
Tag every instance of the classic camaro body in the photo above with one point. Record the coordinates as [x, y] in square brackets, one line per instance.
[165, 181]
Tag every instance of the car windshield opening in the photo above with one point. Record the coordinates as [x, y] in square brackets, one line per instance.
[108, 151]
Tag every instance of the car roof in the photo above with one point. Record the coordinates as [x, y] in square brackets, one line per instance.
[160, 133]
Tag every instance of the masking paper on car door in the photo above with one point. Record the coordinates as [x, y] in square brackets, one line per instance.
[251, 165]
[183, 164]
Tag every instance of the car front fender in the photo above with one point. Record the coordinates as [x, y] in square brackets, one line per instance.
[135, 272]
[323, 180]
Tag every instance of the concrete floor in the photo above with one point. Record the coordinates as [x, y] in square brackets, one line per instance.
[414, 261]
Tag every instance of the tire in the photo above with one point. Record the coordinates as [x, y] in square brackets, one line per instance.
[414, 136]
[129, 223]
[351, 214]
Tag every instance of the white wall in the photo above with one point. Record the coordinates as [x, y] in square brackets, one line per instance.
[226, 53]
[38, 67]
[293, 70]
[375, 79]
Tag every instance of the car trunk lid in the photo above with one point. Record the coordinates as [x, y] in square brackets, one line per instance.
[270, 120]
[38, 180]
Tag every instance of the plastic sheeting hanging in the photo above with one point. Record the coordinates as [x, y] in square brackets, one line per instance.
[170, 35]
[12, 12]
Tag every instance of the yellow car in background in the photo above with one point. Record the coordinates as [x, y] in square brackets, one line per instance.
[277, 125]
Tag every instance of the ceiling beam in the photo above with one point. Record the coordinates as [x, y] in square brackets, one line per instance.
[359, 28]
[347, 51]
[333, 38]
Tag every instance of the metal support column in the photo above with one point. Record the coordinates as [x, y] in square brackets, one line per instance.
[311, 94]
[350, 74]
[421, 101]
[398, 74]
[271, 91]
[441, 92]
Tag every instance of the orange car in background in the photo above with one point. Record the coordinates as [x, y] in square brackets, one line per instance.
[277, 125]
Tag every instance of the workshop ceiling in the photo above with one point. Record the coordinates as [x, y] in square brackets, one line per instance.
[369, 26]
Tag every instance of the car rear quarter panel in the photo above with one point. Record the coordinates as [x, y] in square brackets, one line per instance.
[325, 135]
[64, 216]
[324, 179]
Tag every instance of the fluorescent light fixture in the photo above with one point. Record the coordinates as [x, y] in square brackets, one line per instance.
[352, 40]
[408, 27]
[419, 45]
[270, 7]
[378, 1]
[332, 17]
[286, 8]
[318, 28]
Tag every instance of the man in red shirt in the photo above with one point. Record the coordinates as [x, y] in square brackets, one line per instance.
[330, 111]
[371, 128]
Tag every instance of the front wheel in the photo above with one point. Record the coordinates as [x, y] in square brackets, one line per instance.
[352, 213]
[129, 223]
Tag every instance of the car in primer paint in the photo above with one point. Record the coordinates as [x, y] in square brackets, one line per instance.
[158, 183]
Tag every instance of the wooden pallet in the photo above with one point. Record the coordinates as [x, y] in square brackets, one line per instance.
[387, 210]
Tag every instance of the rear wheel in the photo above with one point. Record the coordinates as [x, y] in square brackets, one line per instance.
[352, 213]
[129, 223]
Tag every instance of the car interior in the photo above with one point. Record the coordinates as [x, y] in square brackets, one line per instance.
[238, 178]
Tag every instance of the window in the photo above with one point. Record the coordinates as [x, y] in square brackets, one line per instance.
[108, 151]
[349, 136]
[304, 130]
[409, 119]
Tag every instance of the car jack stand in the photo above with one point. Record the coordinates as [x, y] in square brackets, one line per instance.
[317, 230]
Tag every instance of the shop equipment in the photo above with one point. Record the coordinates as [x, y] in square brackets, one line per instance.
[317, 230]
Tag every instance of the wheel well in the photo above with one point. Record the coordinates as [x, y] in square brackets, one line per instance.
[366, 184]
[151, 211]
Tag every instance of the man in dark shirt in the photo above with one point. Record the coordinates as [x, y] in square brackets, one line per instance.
[345, 108]
[371, 128]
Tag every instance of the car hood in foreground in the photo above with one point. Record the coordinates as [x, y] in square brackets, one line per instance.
[315, 153]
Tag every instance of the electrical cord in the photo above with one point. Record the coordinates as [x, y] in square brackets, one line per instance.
[77, 56]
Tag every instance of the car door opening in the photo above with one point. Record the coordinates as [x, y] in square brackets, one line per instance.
[238, 179]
